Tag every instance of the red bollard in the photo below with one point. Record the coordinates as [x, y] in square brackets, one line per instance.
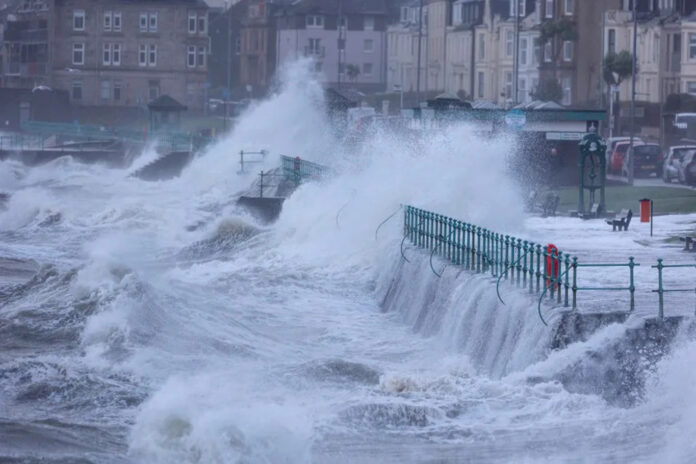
[552, 267]
[645, 210]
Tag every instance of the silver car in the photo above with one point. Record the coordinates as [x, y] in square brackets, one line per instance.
[673, 160]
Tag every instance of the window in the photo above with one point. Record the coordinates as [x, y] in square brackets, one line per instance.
[202, 21]
[368, 45]
[78, 53]
[152, 58]
[569, 7]
[77, 90]
[521, 8]
[481, 82]
[153, 22]
[142, 55]
[105, 90]
[692, 46]
[549, 9]
[522, 90]
[117, 22]
[190, 91]
[566, 91]
[106, 54]
[314, 47]
[200, 60]
[405, 14]
[117, 91]
[143, 22]
[509, 39]
[367, 69]
[369, 23]
[78, 20]
[567, 50]
[108, 16]
[191, 56]
[548, 52]
[611, 39]
[238, 46]
[691, 88]
[524, 44]
[315, 21]
[536, 58]
[192, 22]
[482, 47]
[116, 54]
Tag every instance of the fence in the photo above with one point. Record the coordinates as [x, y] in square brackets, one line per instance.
[167, 140]
[545, 271]
[20, 142]
[297, 169]
[661, 290]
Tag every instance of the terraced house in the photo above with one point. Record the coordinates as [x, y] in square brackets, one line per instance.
[112, 52]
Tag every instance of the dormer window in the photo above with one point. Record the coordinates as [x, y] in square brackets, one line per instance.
[315, 21]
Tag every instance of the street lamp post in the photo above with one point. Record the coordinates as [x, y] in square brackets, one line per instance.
[633, 92]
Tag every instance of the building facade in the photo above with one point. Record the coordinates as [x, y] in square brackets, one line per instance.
[112, 52]
[403, 48]
[347, 40]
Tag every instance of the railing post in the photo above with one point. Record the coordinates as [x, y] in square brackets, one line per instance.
[559, 262]
[507, 255]
[575, 282]
[524, 263]
[478, 249]
[519, 263]
[531, 267]
[538, 271]
[567, 282]
[631, 287]
[660, 290]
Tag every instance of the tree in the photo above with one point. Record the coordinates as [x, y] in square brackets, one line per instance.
[620, 63]
[548, 90]
[563, 28]
[353, 71]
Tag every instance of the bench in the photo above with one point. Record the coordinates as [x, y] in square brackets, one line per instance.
[551, 202]
[689, 243]
[621, 220]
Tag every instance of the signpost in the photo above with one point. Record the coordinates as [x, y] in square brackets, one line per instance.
[592, 166]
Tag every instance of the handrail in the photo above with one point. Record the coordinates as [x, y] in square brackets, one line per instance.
[432, 268]
[660, 288]
[497, 285]
[546, 289]
[387, 220]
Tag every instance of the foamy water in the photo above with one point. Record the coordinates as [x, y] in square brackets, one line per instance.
[165, 325]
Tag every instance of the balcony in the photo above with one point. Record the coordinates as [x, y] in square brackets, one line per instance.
[25, 69]
[317, 52]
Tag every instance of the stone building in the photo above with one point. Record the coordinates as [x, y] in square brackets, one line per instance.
[346, 39]
[118, 53]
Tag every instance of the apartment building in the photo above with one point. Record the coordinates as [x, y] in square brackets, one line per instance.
[25, 51]
[346, 39]
[403, 48]
[572, 47]
[121, 53]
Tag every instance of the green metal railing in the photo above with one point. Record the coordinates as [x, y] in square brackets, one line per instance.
[167, 140]
[661, 290]
[21, 142]
[545, 271]
[297, 169]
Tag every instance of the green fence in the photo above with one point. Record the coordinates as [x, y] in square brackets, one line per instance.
[166, 140]
[661, 290]
[545, 271]
[297, 169]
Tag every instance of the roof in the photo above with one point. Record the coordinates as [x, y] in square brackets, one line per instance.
[377, 7]
[166, 103]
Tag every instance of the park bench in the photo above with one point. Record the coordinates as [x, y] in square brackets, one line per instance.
[621, 220]
[689, 243]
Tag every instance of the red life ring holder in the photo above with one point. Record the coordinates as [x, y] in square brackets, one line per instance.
[552, 265]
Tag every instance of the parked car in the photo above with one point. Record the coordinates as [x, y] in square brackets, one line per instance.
[616, 149]
[673, 159]
[687, 169]
[647, 160]
[617, 156]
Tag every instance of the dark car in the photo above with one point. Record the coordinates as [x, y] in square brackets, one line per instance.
[647, 160]
[687, 169]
